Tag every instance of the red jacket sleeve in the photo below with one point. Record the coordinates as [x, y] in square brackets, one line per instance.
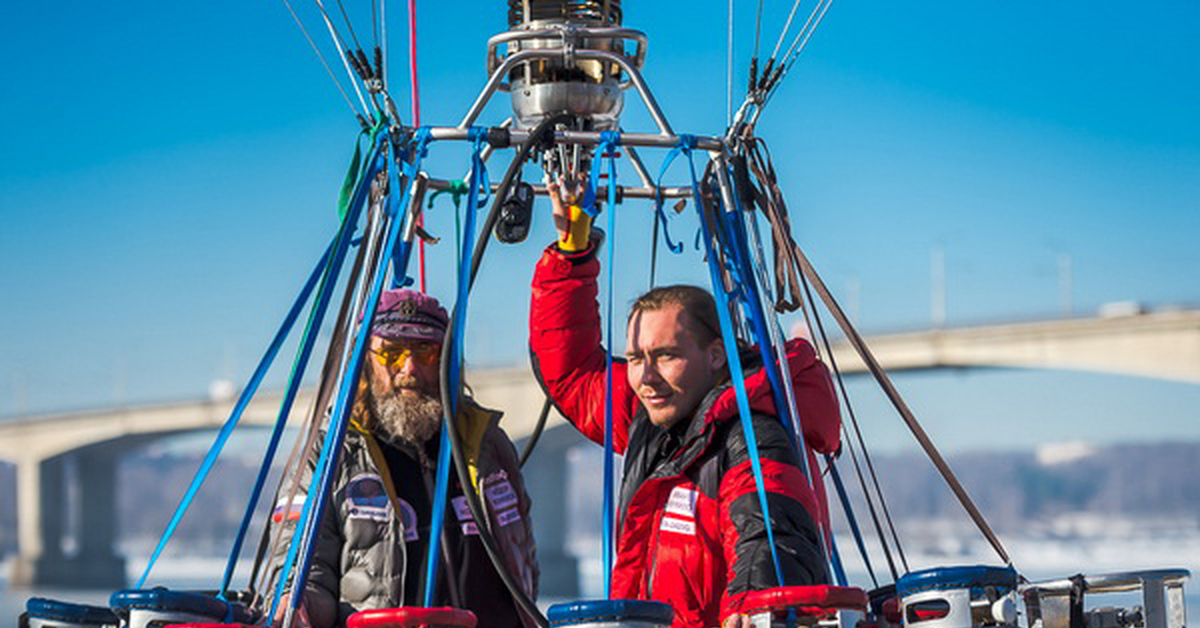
[564, 336]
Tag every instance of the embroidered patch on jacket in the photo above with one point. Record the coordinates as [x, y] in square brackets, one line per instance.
[678, 526]
[501, 495]
[408, 519]
[282, 511]
[461, 509]
[469, 529]
[682, 502]
[508, 516]
[367, 498]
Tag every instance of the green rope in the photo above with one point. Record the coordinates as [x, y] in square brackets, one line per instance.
[350, 182]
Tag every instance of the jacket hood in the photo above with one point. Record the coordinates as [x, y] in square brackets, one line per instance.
[800, 355]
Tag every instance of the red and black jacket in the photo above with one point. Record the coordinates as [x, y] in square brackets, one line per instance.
[691, 531]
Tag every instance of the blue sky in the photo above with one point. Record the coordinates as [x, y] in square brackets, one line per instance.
[168, 173]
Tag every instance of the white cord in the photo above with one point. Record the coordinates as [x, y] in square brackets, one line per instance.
[342, 54]
[729, 70]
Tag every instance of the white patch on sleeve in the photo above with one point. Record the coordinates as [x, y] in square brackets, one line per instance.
[508, 516]
[682, 502]
[678, 526]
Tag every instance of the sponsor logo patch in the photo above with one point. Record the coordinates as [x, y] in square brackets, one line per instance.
[408, 518]
[367, 498]
[508, 516]
[678, 526]
[469, 529]
[501, 495]
[682, 502]
[461, 509]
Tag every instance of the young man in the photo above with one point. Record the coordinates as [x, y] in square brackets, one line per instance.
[374, 534]
[691, 530]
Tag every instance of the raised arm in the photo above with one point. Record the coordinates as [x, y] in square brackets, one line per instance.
[565, 339]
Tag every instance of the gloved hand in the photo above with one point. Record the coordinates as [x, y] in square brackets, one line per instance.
[573, 224]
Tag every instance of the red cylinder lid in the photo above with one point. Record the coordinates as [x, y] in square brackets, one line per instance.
[806, 600]
[412, 616]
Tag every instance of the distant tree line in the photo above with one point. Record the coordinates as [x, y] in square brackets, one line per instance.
[1013, 489]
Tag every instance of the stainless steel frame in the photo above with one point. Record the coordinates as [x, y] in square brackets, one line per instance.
[1054, 603]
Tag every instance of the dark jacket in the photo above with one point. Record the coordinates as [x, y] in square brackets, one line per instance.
[691, 530]
[361, 561]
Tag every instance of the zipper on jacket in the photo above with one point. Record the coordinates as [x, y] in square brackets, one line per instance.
[654, 553]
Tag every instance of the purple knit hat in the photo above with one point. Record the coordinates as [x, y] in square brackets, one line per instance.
[409, 315]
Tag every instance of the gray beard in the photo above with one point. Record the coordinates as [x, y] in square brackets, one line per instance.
[406, 418]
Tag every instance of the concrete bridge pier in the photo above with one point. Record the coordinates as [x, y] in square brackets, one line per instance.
[50, 495]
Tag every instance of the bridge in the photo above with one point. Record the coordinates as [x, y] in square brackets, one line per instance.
[46, 449]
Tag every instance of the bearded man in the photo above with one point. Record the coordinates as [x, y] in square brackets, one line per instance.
[374, 534]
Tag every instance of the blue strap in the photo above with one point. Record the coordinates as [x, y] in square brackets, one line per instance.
[477, 182]
[239, 408]
[834, 556]
[307, 342]
[319, 489]
[686, 142]
[609, 140]
[735, 363]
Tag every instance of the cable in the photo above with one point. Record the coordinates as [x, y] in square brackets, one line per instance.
[321, 57]
[794, 51]
[341, 48]
[536, 138]
[729, 69]
[758, 27]
[349, 25]
[783, 34]
[415, 99]
[383, 43]
[537, 431]
[862, 444]
[375, 9]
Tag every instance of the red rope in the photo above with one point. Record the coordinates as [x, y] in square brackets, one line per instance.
[416, 116]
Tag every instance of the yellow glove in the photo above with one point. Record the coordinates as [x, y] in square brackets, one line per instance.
[579, 228]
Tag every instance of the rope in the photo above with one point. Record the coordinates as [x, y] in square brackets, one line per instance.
[416, 116]
[338, 43]
[382, 41]
[323, 476]
[729, 67]
[607, 148]
[687, 144]
[898, 403]
[770, 343]
[308, 340]
[862, 443]
[783, 34]
[349, 25]
[321, 57]
[844, 498]
[239, 408]
[271, 536]
[797, 46]
[476, 182]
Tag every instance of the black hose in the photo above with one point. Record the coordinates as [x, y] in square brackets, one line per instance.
[537, 431]
[537, 138]
[470, 493]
